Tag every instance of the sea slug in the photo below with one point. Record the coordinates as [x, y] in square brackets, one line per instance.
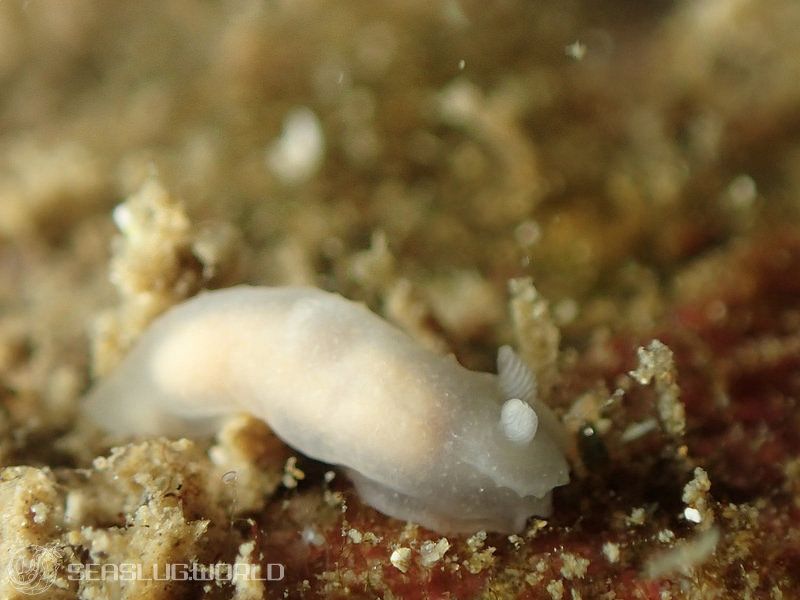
[421, 437]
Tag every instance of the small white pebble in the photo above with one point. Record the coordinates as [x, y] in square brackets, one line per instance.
[297, 155]
[696, 495]
[692, 515]
[121, 215]
[40, 511]
[76, 507]
[335, 499]
[565, 311]
[432, 552]
[637, 516]
[665, 535]
[527, 233]
[312, 536]
[576, 50]
[401, 559]
[533, 579]
[742, 192]
[291, 474]
[573, 566]
[611, 551]
[460, 102]
[537, 525]
[476, 541]
[636, 430]
[371, 538]
[355, 536]
[556, 589]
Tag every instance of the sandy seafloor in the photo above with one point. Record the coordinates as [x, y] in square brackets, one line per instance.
[633, 167]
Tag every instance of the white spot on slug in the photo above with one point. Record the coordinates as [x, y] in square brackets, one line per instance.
[519, 421]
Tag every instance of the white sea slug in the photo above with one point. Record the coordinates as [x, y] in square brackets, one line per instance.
[421, 437]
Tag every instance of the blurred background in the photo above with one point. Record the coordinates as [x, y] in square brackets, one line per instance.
[598, 148]
[629, 156]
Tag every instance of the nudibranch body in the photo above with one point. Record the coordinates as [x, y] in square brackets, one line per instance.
[421, 437]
